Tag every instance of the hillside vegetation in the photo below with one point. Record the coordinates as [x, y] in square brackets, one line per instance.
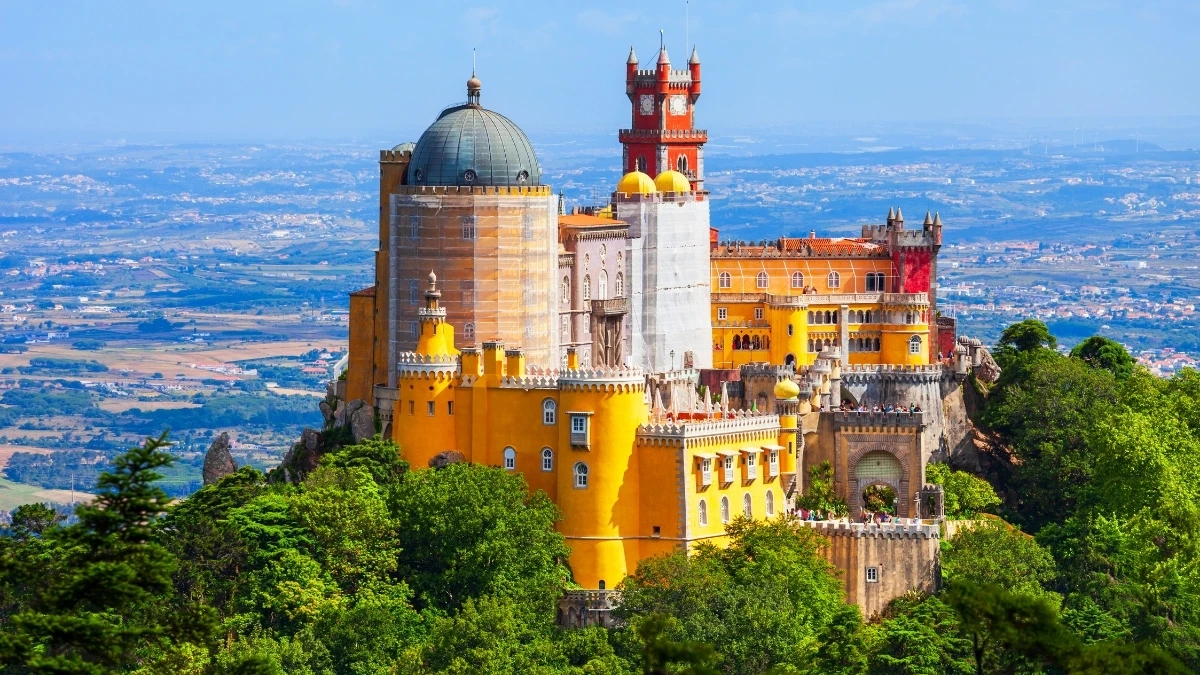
[368, 567]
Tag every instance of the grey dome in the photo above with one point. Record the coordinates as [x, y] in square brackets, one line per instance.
[471, 145]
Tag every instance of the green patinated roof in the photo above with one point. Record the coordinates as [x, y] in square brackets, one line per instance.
[469, 138]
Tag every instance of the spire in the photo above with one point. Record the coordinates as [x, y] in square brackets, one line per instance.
[899, 215]
[928, 219]
[632, 60]
[891, 216]
[695, 59]
[937, 219]
[662, 50]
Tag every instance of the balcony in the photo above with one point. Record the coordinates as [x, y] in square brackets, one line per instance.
[610, 307]
[706, 477]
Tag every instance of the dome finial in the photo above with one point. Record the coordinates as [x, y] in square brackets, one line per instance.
[474, 86]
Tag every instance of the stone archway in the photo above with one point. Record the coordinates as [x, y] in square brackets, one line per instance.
[877, 464]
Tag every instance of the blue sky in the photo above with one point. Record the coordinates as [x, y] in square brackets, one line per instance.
[213, 70]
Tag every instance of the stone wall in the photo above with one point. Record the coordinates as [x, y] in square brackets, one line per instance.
[904, 557]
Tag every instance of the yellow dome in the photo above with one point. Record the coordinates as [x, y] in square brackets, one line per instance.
[636, 183]
[672, 181]
[787, 389]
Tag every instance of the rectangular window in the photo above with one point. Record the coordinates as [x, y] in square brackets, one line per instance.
[468, 227]
[706, 472]
[412, 407]
[414, 226]
[872, 575]
[449, 407]
[430, 405]
[758, 313]
[773, 462]
[722, 314]
[579, 430]
[657, 532]
[727, 471]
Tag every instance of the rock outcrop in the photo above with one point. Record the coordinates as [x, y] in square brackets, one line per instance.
[345, 424]
[218, 461]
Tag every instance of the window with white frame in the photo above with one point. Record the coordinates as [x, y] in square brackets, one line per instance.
[727, 466]
[751, 465]
[797, 280]
[914, 344]
[469, 331]
[761, 280]
[747, 505]
[724, 510]
[758, 313]
[468, 227]
[722, 314]
[581, 475]
[725, 280]
[773, 462]
[579, 429]
[547, 459]
[602, 288]
[703, 508]
[872, 575]
[706, 471]
[510, 459]
[770, 503]
[549, 412]
[587, 287]
[835, 280]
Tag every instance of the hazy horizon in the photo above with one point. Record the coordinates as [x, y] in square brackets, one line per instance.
[374, 72]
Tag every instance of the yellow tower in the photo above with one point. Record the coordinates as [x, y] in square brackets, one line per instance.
[423, 418]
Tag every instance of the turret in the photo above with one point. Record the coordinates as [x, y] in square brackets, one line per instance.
[631, 65]
[664, 72]
[694, 67]
[891, 217]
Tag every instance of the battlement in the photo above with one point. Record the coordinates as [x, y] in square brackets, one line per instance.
[862, 373]
[611, 379]
[766, 370]
[476, 190]
[411, 363]
[393, 156]
[905, 238]
[662, 135]
[529, 382]
[841, 528]
[858, 419]
[800, 248]
[732, 422]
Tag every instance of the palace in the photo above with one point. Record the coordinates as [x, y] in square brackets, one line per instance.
[652, 380]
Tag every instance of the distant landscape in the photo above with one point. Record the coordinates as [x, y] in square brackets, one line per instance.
[203, 287]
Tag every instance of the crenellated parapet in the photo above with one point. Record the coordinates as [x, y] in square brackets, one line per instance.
[867, 420]
[841, 528]
[736, 426]
[860, 373]
[603, 379]
[426, 365]
[476, 190]
[529, 381]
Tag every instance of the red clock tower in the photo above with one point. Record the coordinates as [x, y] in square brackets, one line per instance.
[663, 135]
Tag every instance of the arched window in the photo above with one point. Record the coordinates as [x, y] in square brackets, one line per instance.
[681, 164]
[412, 292]
[770, 503]
[587, 287]
[766, 341]
[703, 513]
[746, 504]
[549, 412]
[565, 291]
[745, 342]
[761, 280]
[587, 261]
[469, 331]
[603, 253]
[620, 289]
[757, 342]
[810, 345]
[725, 280]
[876, 344]
[737, 342]
[641, 163]
[510, 459]
[835, 280]
[867, 318]
[828, 317]
[547, 459]
[724, 510]
[914, 344]
[797, 280]
[581, 475]
[602, 289]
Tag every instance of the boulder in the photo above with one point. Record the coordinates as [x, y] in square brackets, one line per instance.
[218, 462]
[362, 423]
[445, 459]
[327, 412]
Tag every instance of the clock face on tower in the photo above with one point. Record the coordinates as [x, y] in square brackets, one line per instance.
[646, 104]
[678, 105]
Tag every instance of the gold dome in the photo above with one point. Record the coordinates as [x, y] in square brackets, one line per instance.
[672, 181]
[636, 183]
[786, 389]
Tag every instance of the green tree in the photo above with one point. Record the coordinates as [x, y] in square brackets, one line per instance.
[1027, 335]
[468, 531]
[821, 495]
[965, 495]
[761, 602]
[995, 553]
[99, 601]
[1101, 352]
[920, 636]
